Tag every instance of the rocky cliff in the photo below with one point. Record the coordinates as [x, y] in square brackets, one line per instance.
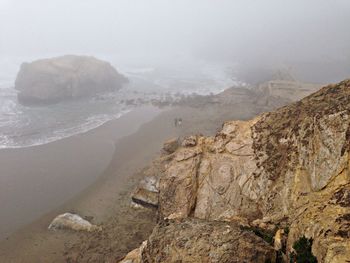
[52, 80]
[257, 185]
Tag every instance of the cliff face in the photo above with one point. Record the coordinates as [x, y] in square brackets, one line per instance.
[284, 169]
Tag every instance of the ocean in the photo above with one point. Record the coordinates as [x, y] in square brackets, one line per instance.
[22, 126]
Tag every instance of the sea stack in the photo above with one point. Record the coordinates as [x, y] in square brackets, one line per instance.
[49, 81]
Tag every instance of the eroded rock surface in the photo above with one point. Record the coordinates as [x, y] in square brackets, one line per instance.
[146, 194]
[195, 240]
[52, 80]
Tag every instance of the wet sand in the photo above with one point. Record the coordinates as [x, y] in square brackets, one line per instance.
[106, 201]
[34, 180]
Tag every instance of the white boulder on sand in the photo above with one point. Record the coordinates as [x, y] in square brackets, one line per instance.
[52, 80]
[72, 222]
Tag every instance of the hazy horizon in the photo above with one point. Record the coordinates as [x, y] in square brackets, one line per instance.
[250, 31]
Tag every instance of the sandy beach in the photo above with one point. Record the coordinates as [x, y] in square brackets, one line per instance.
[36, 179]
[92, 174]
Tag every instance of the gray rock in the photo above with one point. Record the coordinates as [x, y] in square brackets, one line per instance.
[52, 80]
[72, 222]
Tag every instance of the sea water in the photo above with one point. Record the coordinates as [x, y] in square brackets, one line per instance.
[23, 126]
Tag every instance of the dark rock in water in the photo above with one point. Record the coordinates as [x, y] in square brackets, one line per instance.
[52, 80]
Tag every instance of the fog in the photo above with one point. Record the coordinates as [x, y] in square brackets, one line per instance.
[252, 33]
[77, 134]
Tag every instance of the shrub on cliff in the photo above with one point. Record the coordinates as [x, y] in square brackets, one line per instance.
[303, 253]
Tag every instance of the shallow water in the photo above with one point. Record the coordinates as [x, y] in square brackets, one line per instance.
[22, 126]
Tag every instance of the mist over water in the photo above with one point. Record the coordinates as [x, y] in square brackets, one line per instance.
[23, 126]
[164, 47]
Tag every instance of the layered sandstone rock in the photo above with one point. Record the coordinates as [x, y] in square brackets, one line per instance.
[285, 168]
[56, 79]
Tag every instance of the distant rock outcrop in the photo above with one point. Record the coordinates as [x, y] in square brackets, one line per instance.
[265, 95]
[285, 173]
[291, 90]
[52, 80]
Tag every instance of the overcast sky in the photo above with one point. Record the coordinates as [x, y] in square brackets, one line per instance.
[212, 29]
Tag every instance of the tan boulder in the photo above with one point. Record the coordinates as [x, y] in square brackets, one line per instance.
[146, 193]
[194, 240]
[135, 256]
[189, 141]
[278, 239]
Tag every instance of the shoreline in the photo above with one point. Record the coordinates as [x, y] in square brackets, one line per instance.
[82, 132]
[106, 201]
[37, 179]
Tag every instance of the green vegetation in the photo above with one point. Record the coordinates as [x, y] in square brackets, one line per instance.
[286, 230]
[266, 235]
[303, 254]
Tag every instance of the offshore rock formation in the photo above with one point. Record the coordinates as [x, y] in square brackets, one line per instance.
[287, 169]
[52, 80]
